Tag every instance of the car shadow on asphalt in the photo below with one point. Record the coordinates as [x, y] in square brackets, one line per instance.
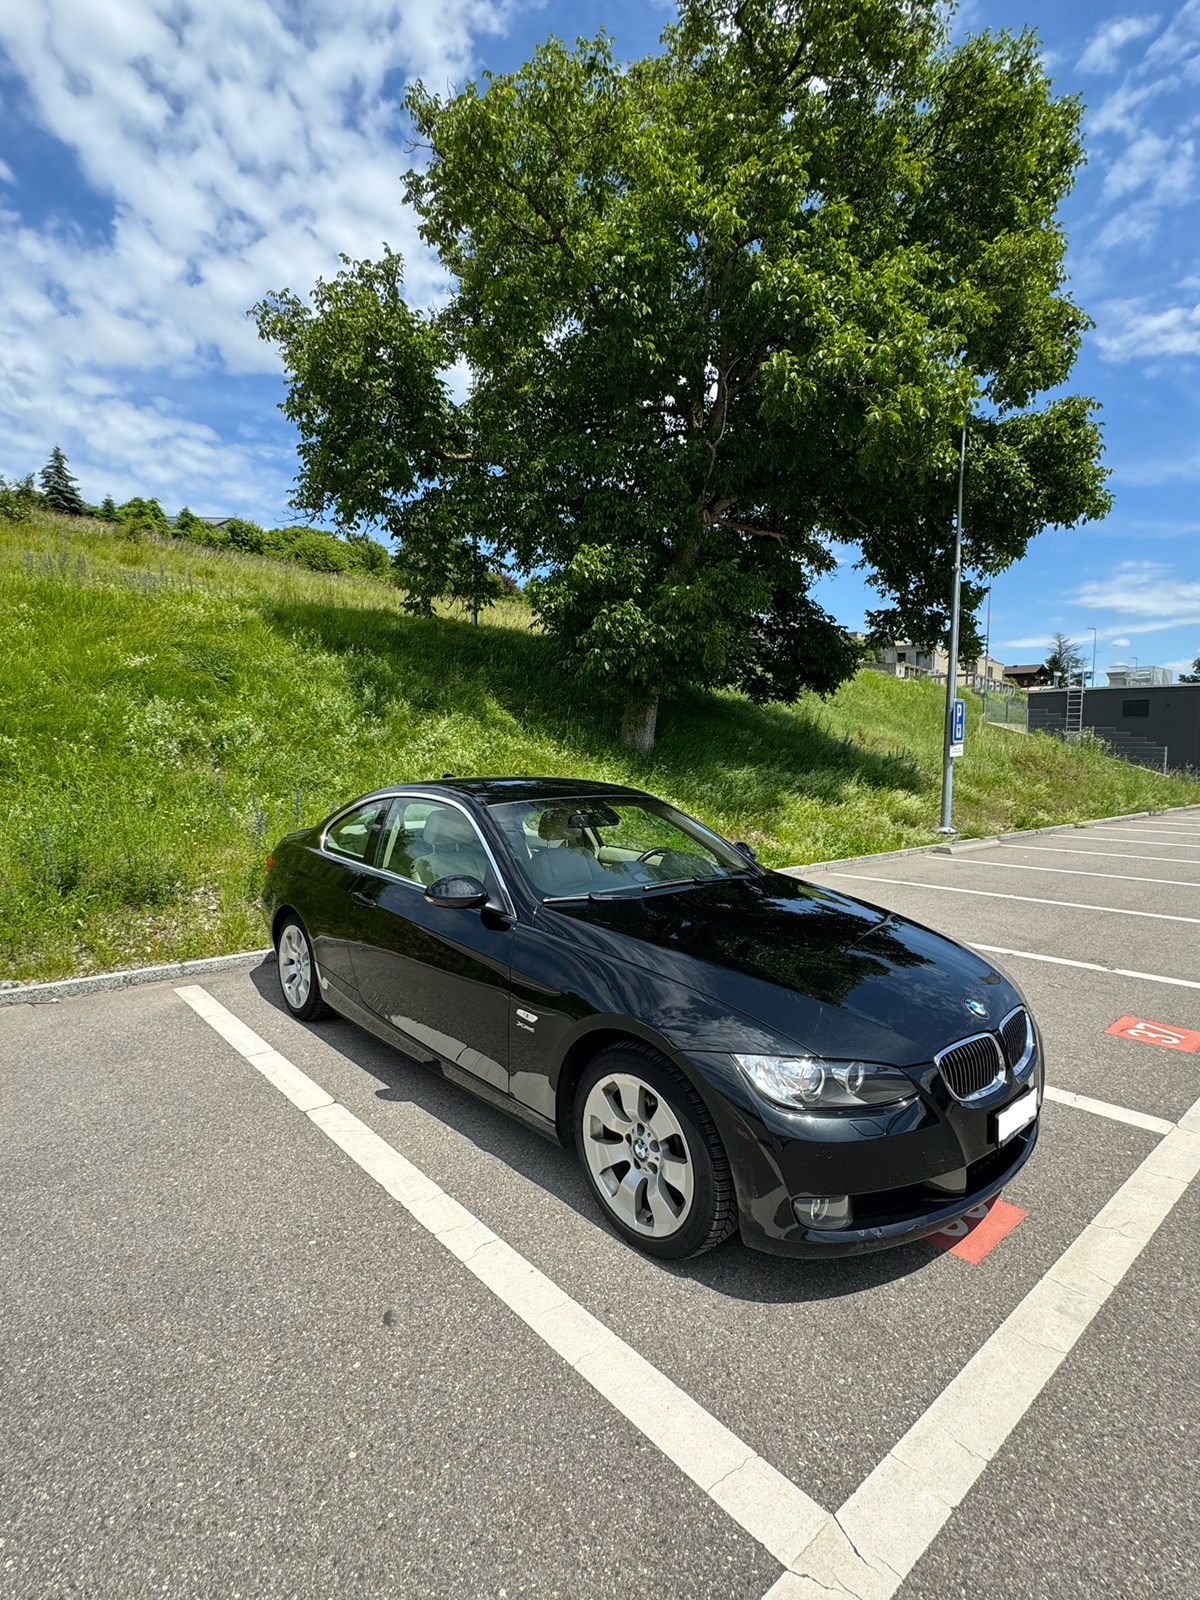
[731, 1269]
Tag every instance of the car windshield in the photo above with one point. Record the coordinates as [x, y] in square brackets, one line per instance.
[572, 848]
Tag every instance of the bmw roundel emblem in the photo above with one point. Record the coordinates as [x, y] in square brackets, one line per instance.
[976, 1010]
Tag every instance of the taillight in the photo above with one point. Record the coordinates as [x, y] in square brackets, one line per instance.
[270, 860]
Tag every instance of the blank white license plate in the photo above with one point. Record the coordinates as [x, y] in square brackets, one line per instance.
[1016, 1116]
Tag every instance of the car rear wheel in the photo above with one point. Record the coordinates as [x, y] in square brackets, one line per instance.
[651, 1154]
[298, 972]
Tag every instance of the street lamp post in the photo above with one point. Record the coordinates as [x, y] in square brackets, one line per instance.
[1095, 642]
[987, 652]
[952, 663]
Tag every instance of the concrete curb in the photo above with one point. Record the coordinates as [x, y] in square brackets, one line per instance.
[131, 977]
[965, 845]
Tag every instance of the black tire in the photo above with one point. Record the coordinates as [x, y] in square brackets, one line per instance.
[711, 1211]
[302, 1001]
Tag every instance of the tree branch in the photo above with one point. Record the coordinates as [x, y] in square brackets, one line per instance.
[746, 527]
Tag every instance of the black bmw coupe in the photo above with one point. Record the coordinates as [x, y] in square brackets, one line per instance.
[726, 1047]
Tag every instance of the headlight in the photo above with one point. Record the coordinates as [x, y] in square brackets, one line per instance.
[806, 1083]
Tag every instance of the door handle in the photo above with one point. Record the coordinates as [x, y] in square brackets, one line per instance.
[362, 898]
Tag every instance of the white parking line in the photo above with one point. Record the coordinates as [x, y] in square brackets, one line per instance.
[1169, 827]
[761, 1500]
[867, 1550]
[1026, 899]
[1104, 855]
[1087, 966]
[1072, 872]
[1103, 1108]
[1158, 842]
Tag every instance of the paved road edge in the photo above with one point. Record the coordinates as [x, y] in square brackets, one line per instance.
[127, 978]
[957, 846]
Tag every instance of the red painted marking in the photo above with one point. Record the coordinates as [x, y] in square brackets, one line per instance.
[978, 1231]
[1156, 1033]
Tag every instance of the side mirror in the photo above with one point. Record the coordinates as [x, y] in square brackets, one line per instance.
[747, 850]
[456, 892]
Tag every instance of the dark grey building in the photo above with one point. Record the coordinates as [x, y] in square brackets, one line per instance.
[1139, 723]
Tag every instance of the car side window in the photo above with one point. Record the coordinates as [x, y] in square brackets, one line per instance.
[354, 835]
[426, 840]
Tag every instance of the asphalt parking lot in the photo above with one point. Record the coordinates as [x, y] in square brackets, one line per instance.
[286, 1314]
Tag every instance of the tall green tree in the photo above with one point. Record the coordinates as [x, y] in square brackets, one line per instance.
[19, 499]
[59, 487]
[723, 311]
[1065, 658]
[1194, 675]
[141, 518]
[188, 525]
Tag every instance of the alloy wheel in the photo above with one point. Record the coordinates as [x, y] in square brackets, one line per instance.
[636, 1150]
[295, 966]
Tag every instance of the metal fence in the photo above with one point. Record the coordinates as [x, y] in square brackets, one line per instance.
[1012, 710]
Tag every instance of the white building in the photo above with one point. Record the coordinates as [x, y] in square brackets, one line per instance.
[1122, 677]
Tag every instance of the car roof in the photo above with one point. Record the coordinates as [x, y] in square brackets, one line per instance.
[494, 791]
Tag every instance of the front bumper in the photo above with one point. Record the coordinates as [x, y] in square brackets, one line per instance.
[897, 1166]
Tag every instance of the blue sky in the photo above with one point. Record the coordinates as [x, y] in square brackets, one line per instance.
[163, 163]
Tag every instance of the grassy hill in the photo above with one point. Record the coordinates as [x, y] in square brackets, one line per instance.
[168, 712]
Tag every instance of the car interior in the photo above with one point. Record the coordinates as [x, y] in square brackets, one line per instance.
[566, 850]
[427, 841]
[560, 848]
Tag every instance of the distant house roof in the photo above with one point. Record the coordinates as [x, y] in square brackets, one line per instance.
[1038, 666]
[213, 522]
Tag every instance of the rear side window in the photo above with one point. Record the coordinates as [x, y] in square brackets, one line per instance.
[1135, 708]
[427, 839]
[354, 835]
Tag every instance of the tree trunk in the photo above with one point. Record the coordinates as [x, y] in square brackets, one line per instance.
[637, 726]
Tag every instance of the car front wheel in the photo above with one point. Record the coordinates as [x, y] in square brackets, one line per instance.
[298, 972]
[652, 1155]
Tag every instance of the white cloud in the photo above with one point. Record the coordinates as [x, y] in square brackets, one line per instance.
[1136, 166]
[1035, 641]
[241, 146]
[1179, 44]
[1151, 472]
[1119, 644]
[1131, 330]
[1165, 167]
[1146, 595]
[1142, 133]
[1120, 111]
[1136, 225]
[1104, 48]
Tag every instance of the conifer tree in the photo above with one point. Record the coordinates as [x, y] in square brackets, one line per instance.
[59, 487]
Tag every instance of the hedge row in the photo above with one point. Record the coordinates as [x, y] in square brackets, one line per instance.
[309, 547]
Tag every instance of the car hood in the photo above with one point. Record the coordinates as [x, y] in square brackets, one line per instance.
[835, 975]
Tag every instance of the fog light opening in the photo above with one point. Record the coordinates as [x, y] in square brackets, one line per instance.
[822, 1210]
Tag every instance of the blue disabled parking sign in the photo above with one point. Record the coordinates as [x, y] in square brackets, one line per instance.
[958, 727]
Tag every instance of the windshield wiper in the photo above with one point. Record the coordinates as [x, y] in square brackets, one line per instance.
[578, 899]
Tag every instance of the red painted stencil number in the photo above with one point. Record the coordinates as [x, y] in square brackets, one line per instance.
[978, 1231]
[1156, 1033]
